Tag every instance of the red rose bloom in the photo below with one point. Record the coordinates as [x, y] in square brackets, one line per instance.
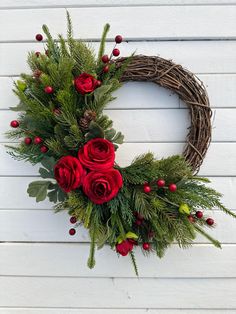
[69, 173]
[101, 187]
[85, 83]
[125, 246]
[98, 154]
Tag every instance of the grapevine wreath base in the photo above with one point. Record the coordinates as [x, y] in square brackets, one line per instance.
[149, 204]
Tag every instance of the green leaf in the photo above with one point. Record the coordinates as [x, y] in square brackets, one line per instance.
[38, 189]
[94, 131]
[48, 163]
[45, 174]
[100, 92]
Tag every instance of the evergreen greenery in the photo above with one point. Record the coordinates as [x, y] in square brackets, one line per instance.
[162, 223]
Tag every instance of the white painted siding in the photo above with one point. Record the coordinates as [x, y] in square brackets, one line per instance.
[42, 269]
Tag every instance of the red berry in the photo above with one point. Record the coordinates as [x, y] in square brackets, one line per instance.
[138, 216]
[37, 140]
[56, 111]
[47, 52]
[72, 231]
[99, 83]
[138, 222]
[106, 69]
[146, 246]
[161, 183]
[199, 214]
[147, 189]
[48, 90]
[39, 37]
[37, 73]
[105, 59]
[44, 149]
[172, 187]
[73, 219]
[116, 52]
[118, 39]
[151, 234]
[37, 53]
[28, 140]
[191, 219]
[14, 124]
[210, 221]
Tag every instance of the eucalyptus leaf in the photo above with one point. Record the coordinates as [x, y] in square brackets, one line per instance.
[100, 92]
[38, 189]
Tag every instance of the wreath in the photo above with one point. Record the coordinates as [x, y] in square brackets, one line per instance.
[61, 125]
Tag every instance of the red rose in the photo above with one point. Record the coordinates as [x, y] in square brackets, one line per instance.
[101, 187]
[125, 246]
[98, 154]
[69, 173]
[85, 83]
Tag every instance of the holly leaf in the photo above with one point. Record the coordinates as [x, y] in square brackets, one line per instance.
[38, 189]
[56, 194]
[113, 136]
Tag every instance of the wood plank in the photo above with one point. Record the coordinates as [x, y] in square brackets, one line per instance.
[197, 56]
[200, 24]
[220, 160]
[31, 310]
[118, 292]
[153, 125]
[37, 225]
[221, 90]
[15, 4]
[47, 259]
[15, 188]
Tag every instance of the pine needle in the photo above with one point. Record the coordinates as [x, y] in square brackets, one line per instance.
[132, 256]
[102, 43]
[215, 242]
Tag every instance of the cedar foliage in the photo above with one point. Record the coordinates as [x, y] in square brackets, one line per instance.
[63, 134]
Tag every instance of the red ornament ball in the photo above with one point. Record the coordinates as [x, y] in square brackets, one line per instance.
[37, 140]
[147, 189]
[118, 39]
[199, 214]
[43, 149]
[14, 124]
[28, 140]
[161, 183]
[172, 187]
[73, 220]
[210, 221]
[105, 59]
[48, 89]
[72, 231]
[106, 69]
[116, 52]
[39, 37]
[191, 219]
[37, 53]
[146, 246]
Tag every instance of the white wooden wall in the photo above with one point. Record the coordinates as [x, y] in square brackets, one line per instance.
[42, 269]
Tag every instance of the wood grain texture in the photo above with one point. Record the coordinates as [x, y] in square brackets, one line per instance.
[48, 259]
[197, 56]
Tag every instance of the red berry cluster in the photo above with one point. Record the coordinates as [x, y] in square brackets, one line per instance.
[28, 140]
[160, 184]
[138, 222]
[115, 52]
[199, 215]
[73, 221]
